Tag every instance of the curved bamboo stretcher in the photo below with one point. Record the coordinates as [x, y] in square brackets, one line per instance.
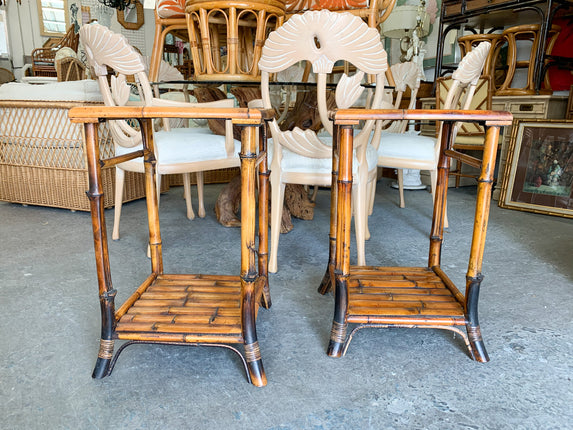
[421, 297]
[199, 310]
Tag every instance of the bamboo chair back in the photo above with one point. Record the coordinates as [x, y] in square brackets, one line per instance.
[226, 37]
[169, 18]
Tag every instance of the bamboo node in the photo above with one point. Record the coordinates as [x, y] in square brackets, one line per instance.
[252, 352]
[107, 295]
[338, 332]
[105, 349]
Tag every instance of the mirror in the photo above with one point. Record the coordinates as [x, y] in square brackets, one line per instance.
[53, 15]
[132, 17]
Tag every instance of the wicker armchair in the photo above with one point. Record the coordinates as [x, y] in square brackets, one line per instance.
[43, 59]
[70, 69]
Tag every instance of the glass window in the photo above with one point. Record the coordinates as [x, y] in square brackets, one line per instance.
[53, 16]
[4, 49]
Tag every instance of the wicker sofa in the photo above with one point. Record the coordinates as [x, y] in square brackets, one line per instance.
[42, 154]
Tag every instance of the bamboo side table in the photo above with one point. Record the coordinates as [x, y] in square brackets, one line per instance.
[422, 297]
[195, 309]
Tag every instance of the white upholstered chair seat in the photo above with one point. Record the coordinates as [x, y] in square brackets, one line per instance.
[407, 145]
[182, 145]
[295, 163]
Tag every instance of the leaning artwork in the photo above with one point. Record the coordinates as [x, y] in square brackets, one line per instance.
[539, 171]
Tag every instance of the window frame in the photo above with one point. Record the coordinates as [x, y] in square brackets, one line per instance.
[48, 33]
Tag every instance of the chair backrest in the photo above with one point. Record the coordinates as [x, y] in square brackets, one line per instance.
[104, 49]
[322, 38]
[70, 69]
[406, 75]
[464, 83]
[480, 101]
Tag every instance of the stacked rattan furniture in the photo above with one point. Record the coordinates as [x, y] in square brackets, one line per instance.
[42, 154]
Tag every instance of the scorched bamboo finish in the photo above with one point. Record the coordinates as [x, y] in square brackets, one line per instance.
[200, 310]
[371, 296]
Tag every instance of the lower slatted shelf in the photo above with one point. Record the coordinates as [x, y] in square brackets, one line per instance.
[402, 295]
[186, 308]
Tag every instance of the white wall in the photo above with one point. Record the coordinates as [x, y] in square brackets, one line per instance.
[24, 30]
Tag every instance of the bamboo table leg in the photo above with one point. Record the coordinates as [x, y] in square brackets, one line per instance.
[343, 220]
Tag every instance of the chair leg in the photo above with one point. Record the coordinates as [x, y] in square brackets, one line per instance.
[200, 183]
[434, 180]
[158, 186]
[277, 199]
[359, 204]
[156, 54]
[187, 195]
[371, 197]
[119, 180]
[314, 194]
[401, 187]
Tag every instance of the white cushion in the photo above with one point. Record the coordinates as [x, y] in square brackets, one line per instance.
[293, 162]
[182, 145]
[86, 90]
[407, 145]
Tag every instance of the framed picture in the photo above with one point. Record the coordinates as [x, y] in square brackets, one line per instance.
[538, 174]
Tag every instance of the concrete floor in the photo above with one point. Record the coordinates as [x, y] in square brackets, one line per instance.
[389, 379]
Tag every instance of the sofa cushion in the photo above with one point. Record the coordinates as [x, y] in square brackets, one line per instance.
[82, 91]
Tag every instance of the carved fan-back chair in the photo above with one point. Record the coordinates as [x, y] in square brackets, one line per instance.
[300, 156]
[226, 37]
[169, 18]
[406, 76]
[412, 151]
[44, 59]
[178, 150]
[373, 12]
[470, 136]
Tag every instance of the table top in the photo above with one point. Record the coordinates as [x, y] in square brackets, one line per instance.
[254, 83]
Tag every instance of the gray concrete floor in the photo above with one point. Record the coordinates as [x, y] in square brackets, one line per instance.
[389, 379]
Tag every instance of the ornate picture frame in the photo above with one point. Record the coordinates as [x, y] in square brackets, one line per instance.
[538, 174]
[135, 9]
